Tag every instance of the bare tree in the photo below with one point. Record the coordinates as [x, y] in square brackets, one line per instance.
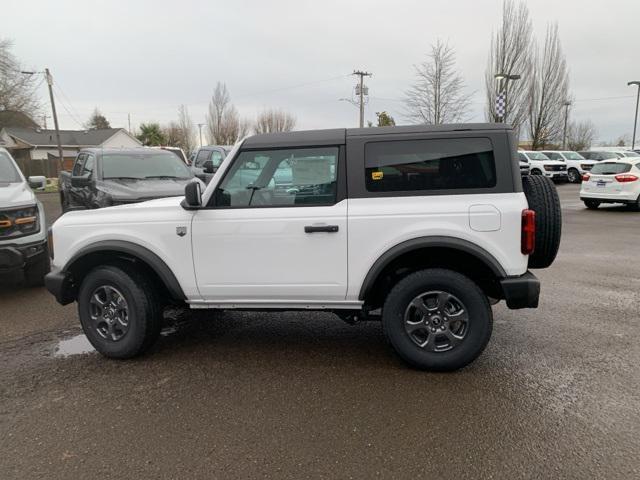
[548, 91]
[187, 139]
[510, 54]
[224, 123]
[172, 134]
[17, 90]
[437, 96]
[580, 136]
[274, 120]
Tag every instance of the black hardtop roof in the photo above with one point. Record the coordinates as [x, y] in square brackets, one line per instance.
[337, 136]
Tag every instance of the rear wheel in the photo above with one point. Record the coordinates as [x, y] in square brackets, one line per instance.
[574, 176]
[437, 319]
[591, 204]
[118, 311]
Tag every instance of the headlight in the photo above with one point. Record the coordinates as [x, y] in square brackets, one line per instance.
[19, 222]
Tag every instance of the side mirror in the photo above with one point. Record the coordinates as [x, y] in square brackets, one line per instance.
[208, 166]
[80, 181]
[192, 195]
[37, 181]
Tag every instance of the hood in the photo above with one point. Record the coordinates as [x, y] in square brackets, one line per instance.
[16, 195]
[140, 189]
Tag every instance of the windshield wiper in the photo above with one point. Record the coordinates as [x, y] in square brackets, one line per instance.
[122, 178]
[165, 176]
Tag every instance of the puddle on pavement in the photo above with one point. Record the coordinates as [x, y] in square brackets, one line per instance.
[77, 345]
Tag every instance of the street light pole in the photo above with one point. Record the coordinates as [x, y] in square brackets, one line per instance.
[635, 121]
[506, 77]
[566, 104]
[200, 125]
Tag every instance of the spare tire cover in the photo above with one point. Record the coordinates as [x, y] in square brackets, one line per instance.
[542, 197]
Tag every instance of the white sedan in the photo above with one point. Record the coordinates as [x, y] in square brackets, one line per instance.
[612, 182]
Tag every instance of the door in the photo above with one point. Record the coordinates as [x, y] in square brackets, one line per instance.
[275, 229]
[75, 197]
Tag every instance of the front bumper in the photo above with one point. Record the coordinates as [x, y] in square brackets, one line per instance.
[556, 175]
[522, 291]
[15, 257]
[60, 285]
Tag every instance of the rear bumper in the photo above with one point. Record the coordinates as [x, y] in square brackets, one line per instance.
[621, 197]
[61, 286]
[522, 291]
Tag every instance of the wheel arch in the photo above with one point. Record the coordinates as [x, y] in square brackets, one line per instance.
[436, 251]
[118, 251]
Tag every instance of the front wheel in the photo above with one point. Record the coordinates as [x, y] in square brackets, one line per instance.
[574, 176]
[536, 171]
[591, 204]
[437, 319]
[118, 311]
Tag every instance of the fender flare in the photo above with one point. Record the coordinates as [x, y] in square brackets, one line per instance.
[144, 254]
[425, 242]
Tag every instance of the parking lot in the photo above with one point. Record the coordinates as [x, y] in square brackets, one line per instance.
[304, 395]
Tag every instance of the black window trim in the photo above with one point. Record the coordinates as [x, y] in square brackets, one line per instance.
[341, 180]
[505, 178]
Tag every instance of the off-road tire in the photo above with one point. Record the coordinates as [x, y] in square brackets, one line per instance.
[542, 197]
[144, 312]
[480, 319]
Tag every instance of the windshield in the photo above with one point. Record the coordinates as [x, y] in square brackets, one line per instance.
[610, 168]
[537, 156]
[631, 154]
[573, 156]
[140, 166]
[8, 171]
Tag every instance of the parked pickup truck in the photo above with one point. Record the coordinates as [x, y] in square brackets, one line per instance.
[102, 177]
[206, 160]
[421, 227]
[23, 232]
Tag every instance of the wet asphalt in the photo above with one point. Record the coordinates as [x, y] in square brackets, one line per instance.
[556, 394]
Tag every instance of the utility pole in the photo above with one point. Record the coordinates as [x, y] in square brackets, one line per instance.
[129, 122]
[635, 121]
[566, 104]
[361, 93]
[55, 115]
[200, 125]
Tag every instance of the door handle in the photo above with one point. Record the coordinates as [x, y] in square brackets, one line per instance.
[320, 228]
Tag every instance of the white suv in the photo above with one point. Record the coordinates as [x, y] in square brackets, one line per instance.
[612, 182]
[541, 165]
[23, 237]
[577, 165]
[421, 227]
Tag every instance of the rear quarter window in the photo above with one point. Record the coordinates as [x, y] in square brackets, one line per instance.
[429, 165]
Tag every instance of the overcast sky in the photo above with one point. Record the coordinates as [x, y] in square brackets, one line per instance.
[147, 57]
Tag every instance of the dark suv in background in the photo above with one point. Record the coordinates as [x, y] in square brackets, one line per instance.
[206, 160]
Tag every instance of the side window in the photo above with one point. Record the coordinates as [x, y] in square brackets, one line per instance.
[421, 165]
[88, 165]
[554, 156]
[275, 178]
[216, 158]
[203, 156]
[79, 165]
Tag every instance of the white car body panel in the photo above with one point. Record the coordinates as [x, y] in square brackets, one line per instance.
[151, 225]
[406, 218]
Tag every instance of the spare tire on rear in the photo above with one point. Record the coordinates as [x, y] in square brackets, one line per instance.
[542, 197]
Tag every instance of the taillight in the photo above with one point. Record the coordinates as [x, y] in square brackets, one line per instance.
[626, 177]
[585, 177]
[528, 242]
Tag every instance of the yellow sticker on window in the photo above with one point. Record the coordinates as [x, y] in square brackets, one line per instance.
[377, 175]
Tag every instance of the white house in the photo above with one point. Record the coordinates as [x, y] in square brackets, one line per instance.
[36, 150]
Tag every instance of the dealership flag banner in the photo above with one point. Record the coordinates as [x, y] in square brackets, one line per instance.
[500, 104]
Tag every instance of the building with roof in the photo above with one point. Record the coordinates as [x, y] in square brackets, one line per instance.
[36, 150]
